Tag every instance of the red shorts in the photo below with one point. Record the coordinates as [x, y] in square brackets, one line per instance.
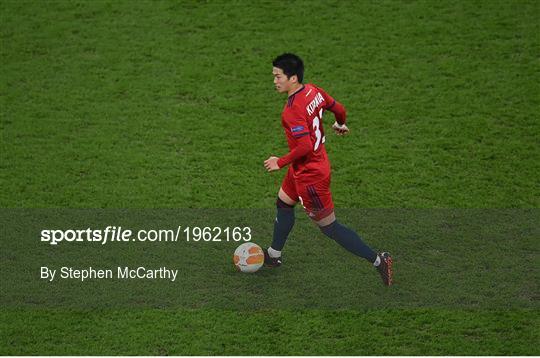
[316, 198]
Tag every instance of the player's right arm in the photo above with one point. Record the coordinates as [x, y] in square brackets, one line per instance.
[339, 112]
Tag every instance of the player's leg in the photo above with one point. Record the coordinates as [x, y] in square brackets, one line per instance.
[286, 198]
[284, 221]
[317, 200]
[352, 242]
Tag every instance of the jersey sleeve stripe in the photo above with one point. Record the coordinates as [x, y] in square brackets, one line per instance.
[299, 135]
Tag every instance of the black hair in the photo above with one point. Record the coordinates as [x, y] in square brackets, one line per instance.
[291, 65]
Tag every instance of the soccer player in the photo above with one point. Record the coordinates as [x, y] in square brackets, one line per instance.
[308, 175]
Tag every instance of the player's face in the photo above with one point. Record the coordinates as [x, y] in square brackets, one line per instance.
[281, 81]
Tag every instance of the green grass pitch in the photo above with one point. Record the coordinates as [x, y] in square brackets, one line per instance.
[162, 104]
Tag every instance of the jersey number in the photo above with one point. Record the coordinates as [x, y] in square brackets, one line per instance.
[316, 128]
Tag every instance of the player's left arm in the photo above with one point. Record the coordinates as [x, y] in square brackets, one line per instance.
[298, 128]
[302, 149]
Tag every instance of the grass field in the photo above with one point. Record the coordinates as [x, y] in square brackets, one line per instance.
[138, 104]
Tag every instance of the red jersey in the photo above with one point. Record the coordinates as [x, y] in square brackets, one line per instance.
[302, 120]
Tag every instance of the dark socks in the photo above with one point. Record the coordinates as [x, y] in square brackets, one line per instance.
[349, 240]
[283, 224]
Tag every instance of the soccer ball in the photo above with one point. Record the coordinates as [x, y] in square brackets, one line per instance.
[248, 257]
